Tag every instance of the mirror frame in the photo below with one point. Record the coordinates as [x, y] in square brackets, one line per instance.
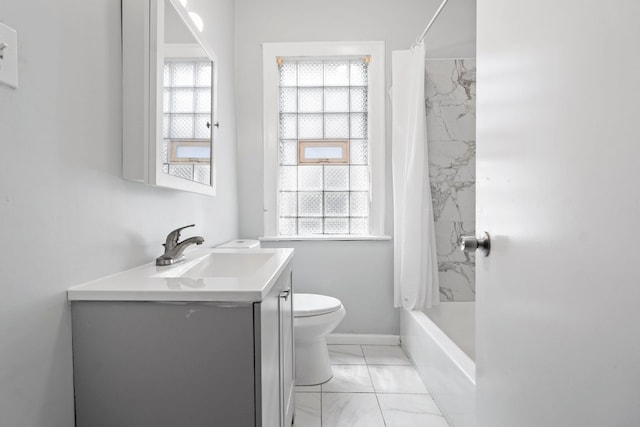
[143, 88]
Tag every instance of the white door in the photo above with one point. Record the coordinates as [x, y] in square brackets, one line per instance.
[558, 190]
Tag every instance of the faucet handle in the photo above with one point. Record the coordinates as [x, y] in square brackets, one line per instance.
[174, 236]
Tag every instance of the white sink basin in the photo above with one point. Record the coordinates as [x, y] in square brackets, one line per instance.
[237, 264]
[207, 274]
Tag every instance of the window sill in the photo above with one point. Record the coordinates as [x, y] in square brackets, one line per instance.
[335, 237]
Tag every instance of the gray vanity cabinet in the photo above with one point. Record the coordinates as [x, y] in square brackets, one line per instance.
[196, 363]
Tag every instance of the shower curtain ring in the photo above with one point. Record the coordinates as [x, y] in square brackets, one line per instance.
[418, 42]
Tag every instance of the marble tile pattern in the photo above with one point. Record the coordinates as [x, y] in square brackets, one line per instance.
[450, 91]
[347, 355]
[385, 355]
[410, 409]
[372, 386]
[308, 407]
[396, 379]
[349, 378]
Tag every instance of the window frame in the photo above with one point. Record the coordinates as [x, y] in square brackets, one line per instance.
[376, 127]
[176, 143]
[311, 143]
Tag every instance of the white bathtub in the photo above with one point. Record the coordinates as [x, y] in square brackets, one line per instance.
[435, 344]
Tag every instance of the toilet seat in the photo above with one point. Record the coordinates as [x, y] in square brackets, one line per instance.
[306, 305]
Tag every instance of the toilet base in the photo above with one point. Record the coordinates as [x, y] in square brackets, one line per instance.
[312, 362]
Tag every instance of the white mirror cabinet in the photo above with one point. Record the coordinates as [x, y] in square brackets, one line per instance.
[169, 97]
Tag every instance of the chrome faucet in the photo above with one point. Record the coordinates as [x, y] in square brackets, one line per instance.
[173, 249]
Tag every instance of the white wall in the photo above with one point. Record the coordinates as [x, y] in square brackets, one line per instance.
[359, 273]
[66, 215]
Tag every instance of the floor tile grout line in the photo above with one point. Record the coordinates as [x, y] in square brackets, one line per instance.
[371, 379]
[375, 393]
[366, 361]
[384, 420]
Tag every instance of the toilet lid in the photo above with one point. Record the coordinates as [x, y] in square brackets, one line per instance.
[240, 244]
[305, 305]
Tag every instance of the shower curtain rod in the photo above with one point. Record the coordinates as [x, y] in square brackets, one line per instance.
[420, 38]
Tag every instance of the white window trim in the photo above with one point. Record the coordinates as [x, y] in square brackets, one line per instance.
[376, 123]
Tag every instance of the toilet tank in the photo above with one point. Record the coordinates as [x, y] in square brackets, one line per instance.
[240, 244]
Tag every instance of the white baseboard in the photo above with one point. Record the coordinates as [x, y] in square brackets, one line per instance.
[363, 339]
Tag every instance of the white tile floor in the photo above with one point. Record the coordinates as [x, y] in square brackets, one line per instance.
[373, 385]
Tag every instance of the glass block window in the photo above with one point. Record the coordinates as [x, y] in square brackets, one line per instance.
[323, 147]
[187, 120]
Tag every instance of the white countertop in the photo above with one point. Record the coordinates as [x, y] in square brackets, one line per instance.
[154, 283]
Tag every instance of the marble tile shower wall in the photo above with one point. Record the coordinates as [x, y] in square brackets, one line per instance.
[451, 128]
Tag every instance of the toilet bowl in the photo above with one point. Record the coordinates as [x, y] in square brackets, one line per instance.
[314, 317]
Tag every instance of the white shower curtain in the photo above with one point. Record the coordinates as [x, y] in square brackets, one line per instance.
[415, 261]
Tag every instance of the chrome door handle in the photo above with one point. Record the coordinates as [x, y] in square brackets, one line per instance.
[285, 294]
[471, 243]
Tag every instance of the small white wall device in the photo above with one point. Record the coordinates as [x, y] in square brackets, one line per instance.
[8, 56]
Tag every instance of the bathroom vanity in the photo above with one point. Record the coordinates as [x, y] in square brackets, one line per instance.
[207, 342]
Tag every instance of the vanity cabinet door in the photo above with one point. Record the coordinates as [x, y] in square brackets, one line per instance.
[267, 344]
[167, 364]
[274, 361]
[287, 369]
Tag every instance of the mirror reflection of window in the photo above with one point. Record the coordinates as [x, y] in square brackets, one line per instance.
[187, 106]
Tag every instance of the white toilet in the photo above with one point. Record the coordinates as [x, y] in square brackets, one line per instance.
[314, 317]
